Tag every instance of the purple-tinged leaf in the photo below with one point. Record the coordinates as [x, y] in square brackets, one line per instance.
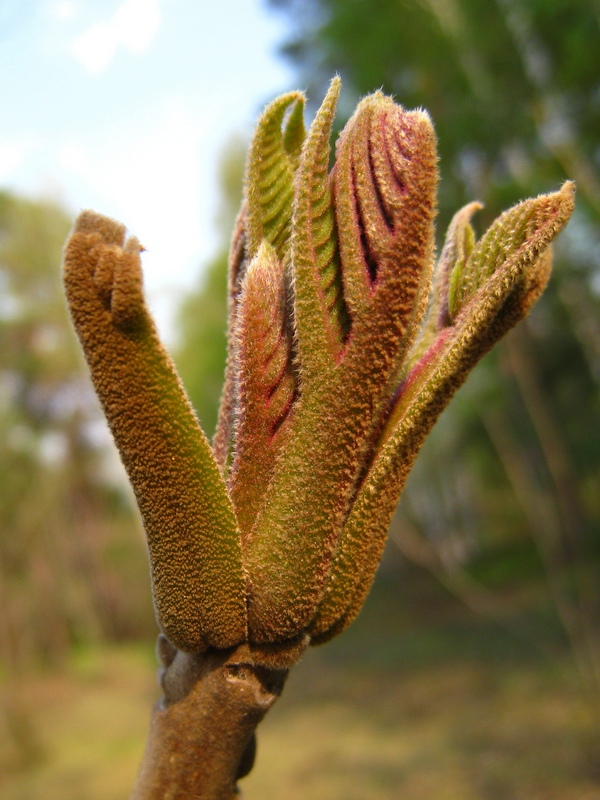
[342, 403]
[509, 269]
[266, 385]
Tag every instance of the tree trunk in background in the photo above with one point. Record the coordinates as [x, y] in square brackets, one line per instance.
[558, 518]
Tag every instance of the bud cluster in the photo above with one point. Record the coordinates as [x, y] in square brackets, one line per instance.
[346, 341]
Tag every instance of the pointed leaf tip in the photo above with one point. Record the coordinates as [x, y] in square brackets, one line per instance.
[320, 312]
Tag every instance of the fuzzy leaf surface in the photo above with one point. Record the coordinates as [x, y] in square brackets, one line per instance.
[266, 385]
[272, 162]
[343, 402]
[193, 540]
[509, 268]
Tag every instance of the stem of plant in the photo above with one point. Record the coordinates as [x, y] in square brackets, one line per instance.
[202, 731]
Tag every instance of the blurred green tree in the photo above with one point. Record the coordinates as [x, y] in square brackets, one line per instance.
[513, 86]
[62, 523]
[514, 90]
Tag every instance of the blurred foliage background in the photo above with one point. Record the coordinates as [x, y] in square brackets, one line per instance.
[474, 670]
[507, 490]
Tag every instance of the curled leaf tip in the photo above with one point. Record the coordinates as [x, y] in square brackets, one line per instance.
[385, 182]
[513, 243]
[272, 162]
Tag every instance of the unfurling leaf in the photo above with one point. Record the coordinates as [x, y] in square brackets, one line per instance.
[505, 285]
[266, 384]
[455, 283]
[342, 398]
[320, 313]
[272, 162]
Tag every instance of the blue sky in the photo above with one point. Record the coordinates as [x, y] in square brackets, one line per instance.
[124, 105]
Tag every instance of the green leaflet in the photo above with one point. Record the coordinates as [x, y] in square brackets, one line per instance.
[193, 540]
[458, 244]
[294, 133]
[265, 213]
[514, 234]
[457, 273]
[272, 162]
[501, 300]
[320, 314]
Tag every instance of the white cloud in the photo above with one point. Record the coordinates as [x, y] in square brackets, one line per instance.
[13, 152]
[64, 10]
[150, 176]
[72, 156]
[136, 23]
[133, 26]
[96, 47]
